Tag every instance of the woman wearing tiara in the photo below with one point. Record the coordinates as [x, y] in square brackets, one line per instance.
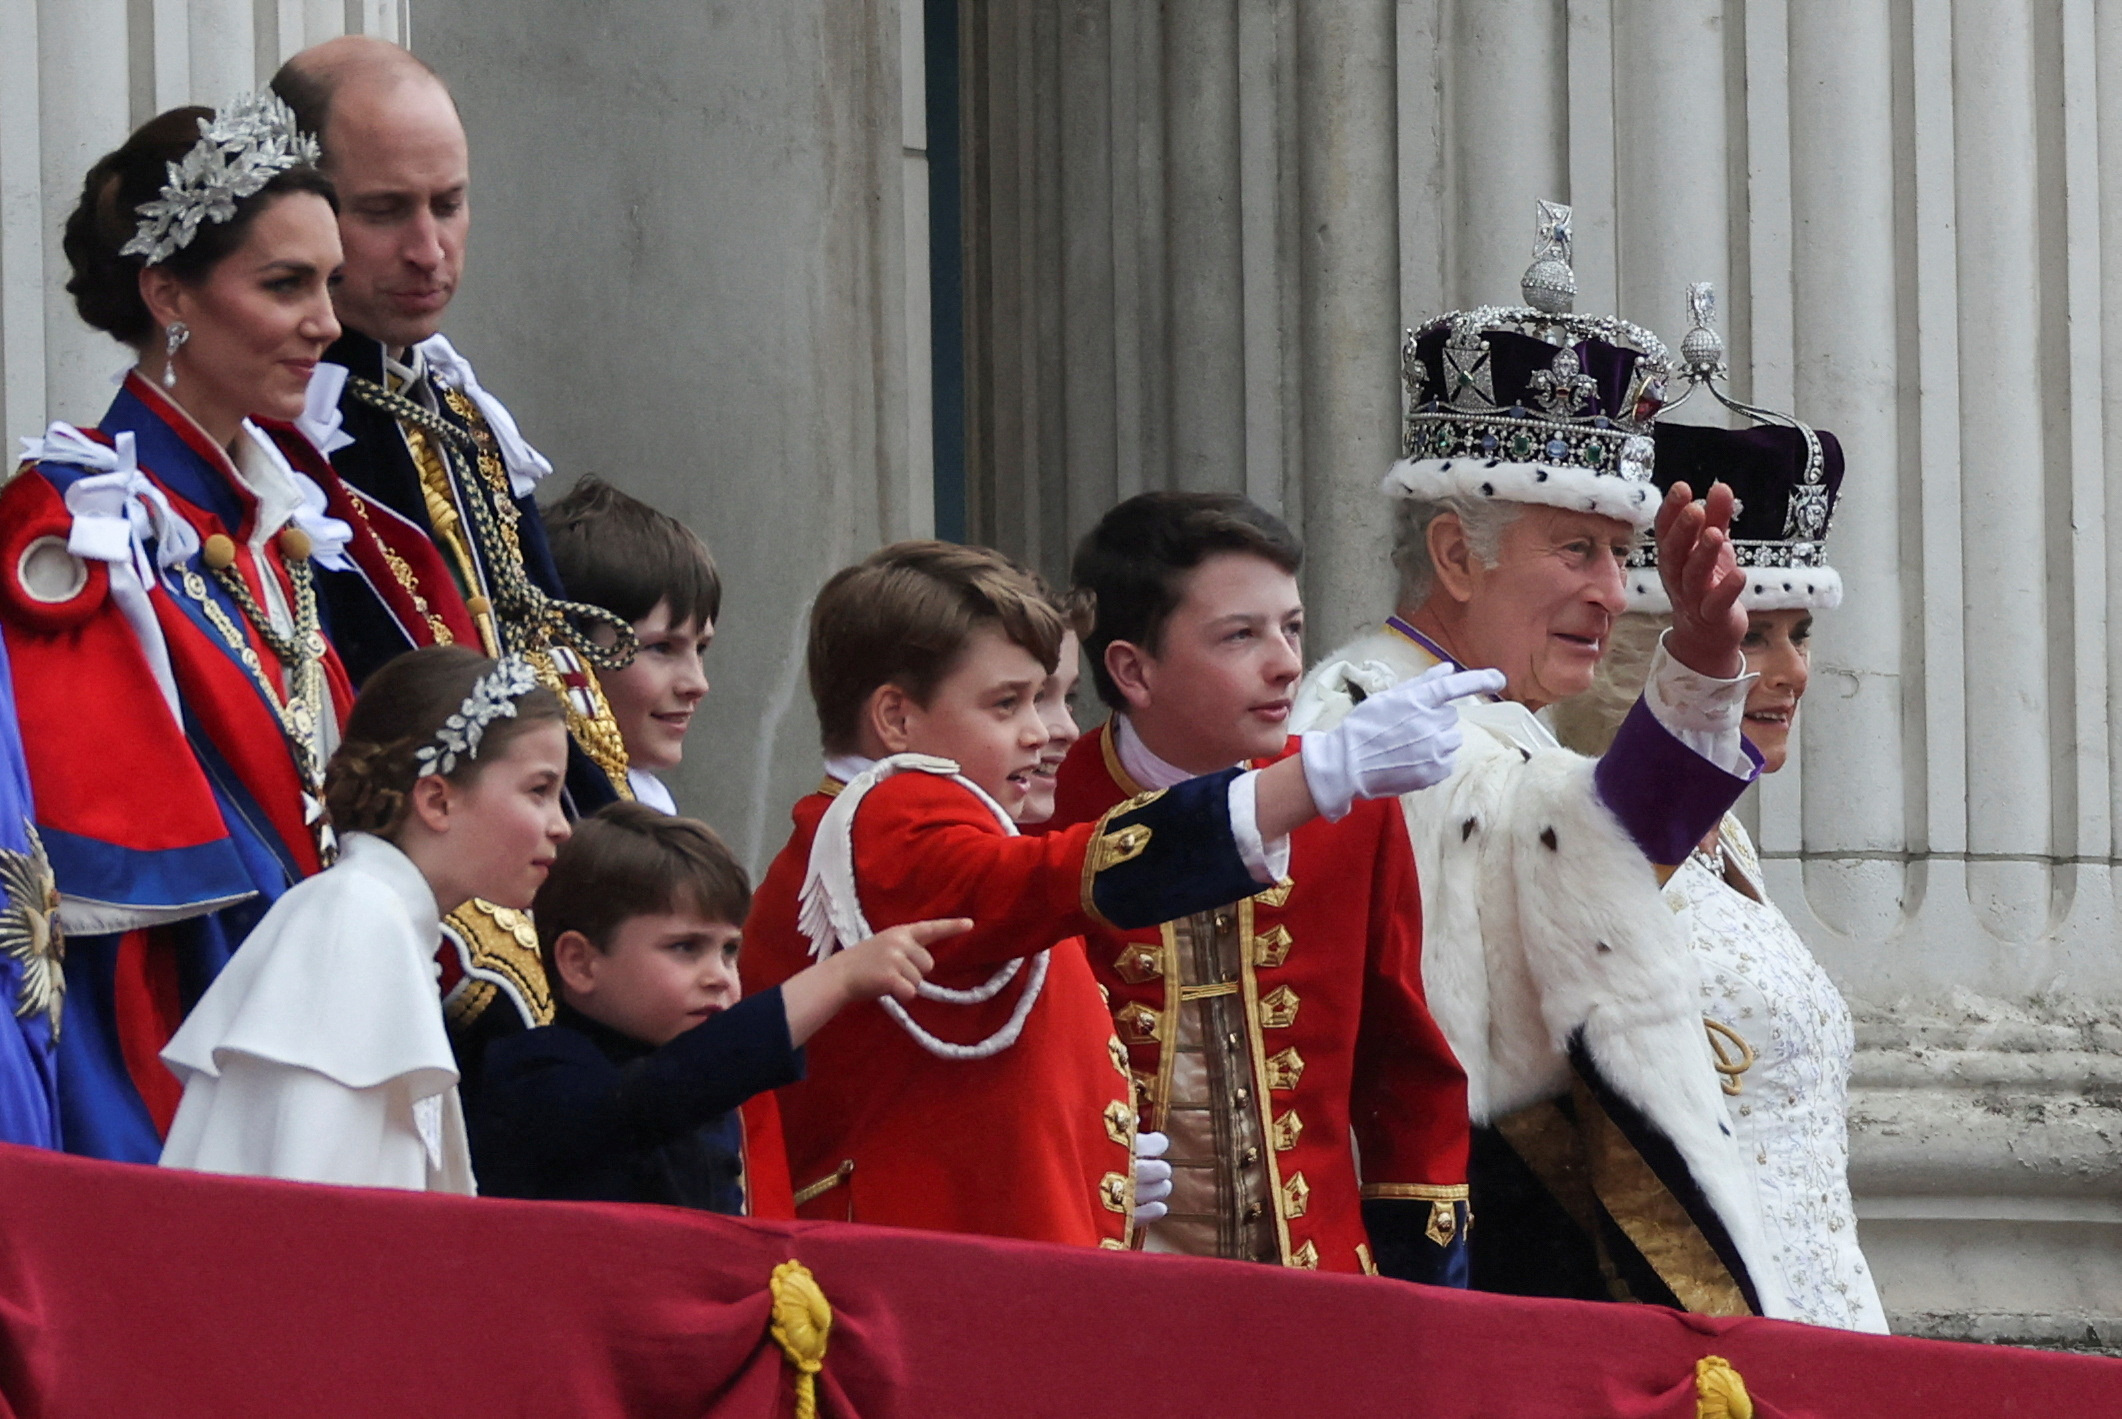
[1779, 1029]
[178, 698]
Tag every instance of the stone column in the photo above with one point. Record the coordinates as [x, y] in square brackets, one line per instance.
[1506, 129]
[1841, 217]
[1205, 252]
[2004, 484]
[81, 60]
[1349, 255]
[1672, 173]
[84, 74]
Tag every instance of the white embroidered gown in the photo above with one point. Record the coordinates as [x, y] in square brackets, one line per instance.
[1791, 1111]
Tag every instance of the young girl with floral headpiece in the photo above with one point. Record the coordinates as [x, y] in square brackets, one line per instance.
[319, 1054]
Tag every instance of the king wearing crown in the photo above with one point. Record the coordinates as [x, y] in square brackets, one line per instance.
[1602, 1163]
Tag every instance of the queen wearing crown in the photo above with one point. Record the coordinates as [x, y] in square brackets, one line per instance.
[1603, 1163]
[158, 593]
[1778, 1026]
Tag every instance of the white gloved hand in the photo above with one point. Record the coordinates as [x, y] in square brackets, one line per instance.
[1394, 742]
[1153, 1177]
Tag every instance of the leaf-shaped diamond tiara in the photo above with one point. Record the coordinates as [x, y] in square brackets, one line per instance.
[493, 697]
[240, 149]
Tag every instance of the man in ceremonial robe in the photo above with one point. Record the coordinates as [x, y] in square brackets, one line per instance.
[1603, 1164]
[424, 446]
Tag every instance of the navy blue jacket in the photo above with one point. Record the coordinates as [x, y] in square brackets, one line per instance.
[577, 1110]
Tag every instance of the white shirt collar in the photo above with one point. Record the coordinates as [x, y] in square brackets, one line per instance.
[1143, 766]
[651, 790]
[847, 767]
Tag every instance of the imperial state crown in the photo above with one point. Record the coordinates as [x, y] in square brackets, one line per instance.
[1534, 403]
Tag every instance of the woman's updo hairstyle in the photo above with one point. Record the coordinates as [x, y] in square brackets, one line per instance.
[369, 781]
[105, 285]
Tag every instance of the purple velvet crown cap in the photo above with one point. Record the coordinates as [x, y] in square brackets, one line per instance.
[1785, 504]
[1764, 466]
[1515, 357]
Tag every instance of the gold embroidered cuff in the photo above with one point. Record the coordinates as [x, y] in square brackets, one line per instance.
[1110, 849]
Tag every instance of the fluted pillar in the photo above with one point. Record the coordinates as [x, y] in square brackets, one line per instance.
[222, 46]
[1089, 274]
[1845, 310]
[82, 114]
[1672, 174]
[2106, 62]
[1346, 75]
[2005, 482]
[1505, 153]
[83, 74]
[1206, 258]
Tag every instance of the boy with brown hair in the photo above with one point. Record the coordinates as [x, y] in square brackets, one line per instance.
[999, 1101]
[630, 1095]
[1277, 1035]
[641, 564]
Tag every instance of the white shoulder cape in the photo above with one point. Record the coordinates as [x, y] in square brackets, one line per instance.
[327, 1020]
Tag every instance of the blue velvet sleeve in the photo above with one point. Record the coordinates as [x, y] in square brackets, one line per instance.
[1167, 854]
[550, 1098]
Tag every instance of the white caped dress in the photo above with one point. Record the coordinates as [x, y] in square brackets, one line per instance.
[319, 1053]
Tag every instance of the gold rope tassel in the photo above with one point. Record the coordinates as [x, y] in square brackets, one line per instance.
[1719, 1392]
[802, 1321]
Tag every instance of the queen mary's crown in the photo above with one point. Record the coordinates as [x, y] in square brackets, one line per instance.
[1785, 474]
[1534, 403]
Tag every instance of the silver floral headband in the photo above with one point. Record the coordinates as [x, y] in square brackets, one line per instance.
[494, 697]
[240, 149]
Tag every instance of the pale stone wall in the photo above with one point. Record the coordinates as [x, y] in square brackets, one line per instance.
[699, 267]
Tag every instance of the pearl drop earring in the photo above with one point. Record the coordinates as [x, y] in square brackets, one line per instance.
[177, 334]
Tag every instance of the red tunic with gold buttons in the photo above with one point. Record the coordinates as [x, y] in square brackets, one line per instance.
[1034, 1142]
[1299, 1019]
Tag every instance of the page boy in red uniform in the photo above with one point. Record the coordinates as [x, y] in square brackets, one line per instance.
[999, 1102]
[1266, 1028]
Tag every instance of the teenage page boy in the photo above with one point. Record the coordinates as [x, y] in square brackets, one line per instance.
[631, 1094]
[1000, 1102]
[615, 552]
[1262, 1030]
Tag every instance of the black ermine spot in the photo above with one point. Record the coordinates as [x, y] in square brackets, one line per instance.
[1604, 949]
[1466, 829]
[1547, 839]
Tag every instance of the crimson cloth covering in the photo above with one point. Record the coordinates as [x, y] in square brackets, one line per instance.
[128, 1290]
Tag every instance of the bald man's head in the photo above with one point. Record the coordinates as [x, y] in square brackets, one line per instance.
[395, 149]
[309, 81]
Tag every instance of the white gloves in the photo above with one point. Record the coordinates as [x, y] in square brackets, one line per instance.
[1153, 1177]
[1396, 741]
